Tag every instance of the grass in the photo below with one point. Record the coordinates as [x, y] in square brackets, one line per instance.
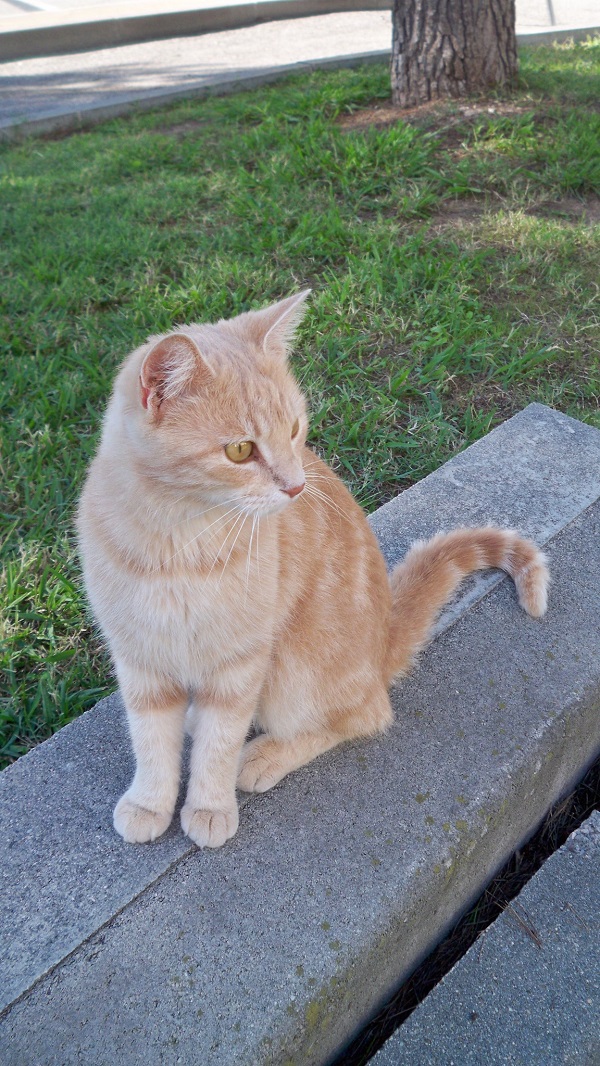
[453, 253]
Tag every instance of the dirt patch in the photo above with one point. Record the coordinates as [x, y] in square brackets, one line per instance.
[381, 114]
[568, 209]
[454, 214]
[457, 214]
[489, 397]
[181, 129]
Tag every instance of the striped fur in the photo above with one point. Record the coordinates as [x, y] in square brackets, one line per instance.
[227, 596]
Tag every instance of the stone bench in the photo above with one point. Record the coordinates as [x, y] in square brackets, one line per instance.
[277, 948]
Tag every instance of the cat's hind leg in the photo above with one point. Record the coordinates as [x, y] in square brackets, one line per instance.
[266, 759]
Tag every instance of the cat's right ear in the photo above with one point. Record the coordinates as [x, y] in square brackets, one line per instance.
[168, 370]
[279, 321]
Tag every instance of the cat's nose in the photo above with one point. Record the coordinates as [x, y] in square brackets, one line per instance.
[295, 490]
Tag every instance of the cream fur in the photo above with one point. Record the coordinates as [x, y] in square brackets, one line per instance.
[225, 591]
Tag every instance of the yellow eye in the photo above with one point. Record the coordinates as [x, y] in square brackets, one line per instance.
[295, 428]
[238, 453]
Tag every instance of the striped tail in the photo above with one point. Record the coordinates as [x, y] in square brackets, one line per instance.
[432, 570]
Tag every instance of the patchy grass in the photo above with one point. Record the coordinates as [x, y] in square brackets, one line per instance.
[453, 252]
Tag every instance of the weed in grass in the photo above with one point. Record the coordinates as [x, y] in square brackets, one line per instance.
[448, 293]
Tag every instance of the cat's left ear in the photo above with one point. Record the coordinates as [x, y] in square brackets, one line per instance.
[279, 322]
[168, 369]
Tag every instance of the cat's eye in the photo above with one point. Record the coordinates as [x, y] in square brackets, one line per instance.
[295, 428]
[240, 451]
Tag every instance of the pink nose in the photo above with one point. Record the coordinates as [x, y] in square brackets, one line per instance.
[294, 491]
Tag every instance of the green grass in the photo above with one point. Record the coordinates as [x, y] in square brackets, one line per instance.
[455, 279]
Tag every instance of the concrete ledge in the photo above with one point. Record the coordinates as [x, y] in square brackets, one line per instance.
[276, 948]
[545, 944]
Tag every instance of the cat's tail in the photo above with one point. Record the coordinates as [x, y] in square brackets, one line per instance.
[432, 570]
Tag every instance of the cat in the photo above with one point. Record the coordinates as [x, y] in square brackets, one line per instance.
[238, 583]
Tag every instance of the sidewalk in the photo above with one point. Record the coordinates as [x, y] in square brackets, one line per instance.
[68, 91]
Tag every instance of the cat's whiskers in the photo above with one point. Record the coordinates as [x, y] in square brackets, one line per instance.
[310, 505]
[167, 506]
[226, 522]
[318, 494]
[257, 548]
[221, 519]
[324, 501]
[221, 547]
[244, 516]
[198, 514]
[159, 512]
[319, 477]
[249, 556]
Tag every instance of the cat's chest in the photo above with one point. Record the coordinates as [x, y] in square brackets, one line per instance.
[189, 622]
[202, 607]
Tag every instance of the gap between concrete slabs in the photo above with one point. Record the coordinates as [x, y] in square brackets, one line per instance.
[66, 873]
[514, 999]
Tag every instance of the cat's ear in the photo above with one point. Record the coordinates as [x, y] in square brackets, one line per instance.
[279, 322]
[168, 370]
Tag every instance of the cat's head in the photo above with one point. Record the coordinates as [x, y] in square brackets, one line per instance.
[213, 412]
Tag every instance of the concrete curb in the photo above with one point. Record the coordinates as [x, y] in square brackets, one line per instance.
[545, 944]
[244, 62]
[564, 33]
[66, 120]
[278, 947]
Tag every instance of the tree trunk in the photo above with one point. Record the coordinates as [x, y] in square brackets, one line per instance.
[451, 48]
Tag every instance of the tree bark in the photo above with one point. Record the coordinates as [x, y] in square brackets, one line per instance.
[451, 48]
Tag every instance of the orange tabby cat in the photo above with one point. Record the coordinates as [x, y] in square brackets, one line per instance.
[233, 575]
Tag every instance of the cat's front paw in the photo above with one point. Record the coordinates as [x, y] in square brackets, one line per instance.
[209, 829]
[138, 825]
